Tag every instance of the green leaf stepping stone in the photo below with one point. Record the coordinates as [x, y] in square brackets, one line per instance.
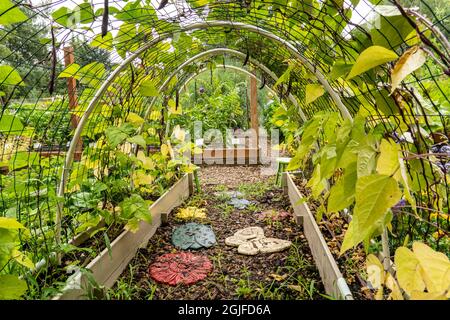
[193, 236]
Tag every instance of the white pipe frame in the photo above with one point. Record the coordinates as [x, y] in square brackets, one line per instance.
[109, 80]
[218, 51]
[245, 71]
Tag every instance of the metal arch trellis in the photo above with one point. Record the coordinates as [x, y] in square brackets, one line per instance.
[290, 97]
[218, 51]
[70, 153]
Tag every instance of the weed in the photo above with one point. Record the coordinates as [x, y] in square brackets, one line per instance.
[153, 288]
[252, 208]
[124, 288]
[226, 209]
[220, 188]
[197, 200]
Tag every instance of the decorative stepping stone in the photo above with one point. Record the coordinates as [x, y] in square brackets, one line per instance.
[274, 215]
[231, 194]
[193, 236]
[263, 245]
[239, 203]
[251, 241]
[189, 213]
[180, 268]
[244, 235]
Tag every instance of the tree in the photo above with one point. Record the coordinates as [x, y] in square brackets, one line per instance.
[437, 11]
[85, 54]
[21, 48]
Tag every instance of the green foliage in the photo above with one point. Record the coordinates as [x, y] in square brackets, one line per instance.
[421, 274]
[220, 104]
[367, 172]
[116, 135]
[374, 195]
[9, 13]
[133, 210]
[313, 92]
[350, 165]
[10, 124]
[148, 88]
[371, 58]
[37, 118]
[9, 76]
[11, 288]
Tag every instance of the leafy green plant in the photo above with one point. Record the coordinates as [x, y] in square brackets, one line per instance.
[11, 287]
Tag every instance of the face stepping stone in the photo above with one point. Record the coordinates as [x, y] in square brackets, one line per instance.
[180, 268]
[193, 236]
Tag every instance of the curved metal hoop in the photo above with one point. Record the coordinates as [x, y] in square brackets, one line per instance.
[218, 51]
[195, 26]
[291, 98]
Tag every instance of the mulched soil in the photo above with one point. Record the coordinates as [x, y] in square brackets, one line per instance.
[352, 264]
[286, 275]
[230, 176]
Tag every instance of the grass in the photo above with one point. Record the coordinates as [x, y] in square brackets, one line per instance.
[256, 189]
[244, 285]
[290, 281]
[220, 188]
[126, 288]
[226, 209]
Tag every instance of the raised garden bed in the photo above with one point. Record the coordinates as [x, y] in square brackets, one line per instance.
[332, 278]
[238, 155]
[109, 264]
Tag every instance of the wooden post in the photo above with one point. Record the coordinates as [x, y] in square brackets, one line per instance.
[69, 58]
[254, 104]
[254, 111]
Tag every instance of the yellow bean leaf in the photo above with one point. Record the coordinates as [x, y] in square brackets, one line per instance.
[391, 284]
[408, 271]
[375, 271]
[435, 267]
[409, 62]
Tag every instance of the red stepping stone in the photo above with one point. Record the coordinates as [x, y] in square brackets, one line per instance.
[180, 268]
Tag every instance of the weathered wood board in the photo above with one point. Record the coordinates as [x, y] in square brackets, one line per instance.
[332, 278]
[227, 156]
